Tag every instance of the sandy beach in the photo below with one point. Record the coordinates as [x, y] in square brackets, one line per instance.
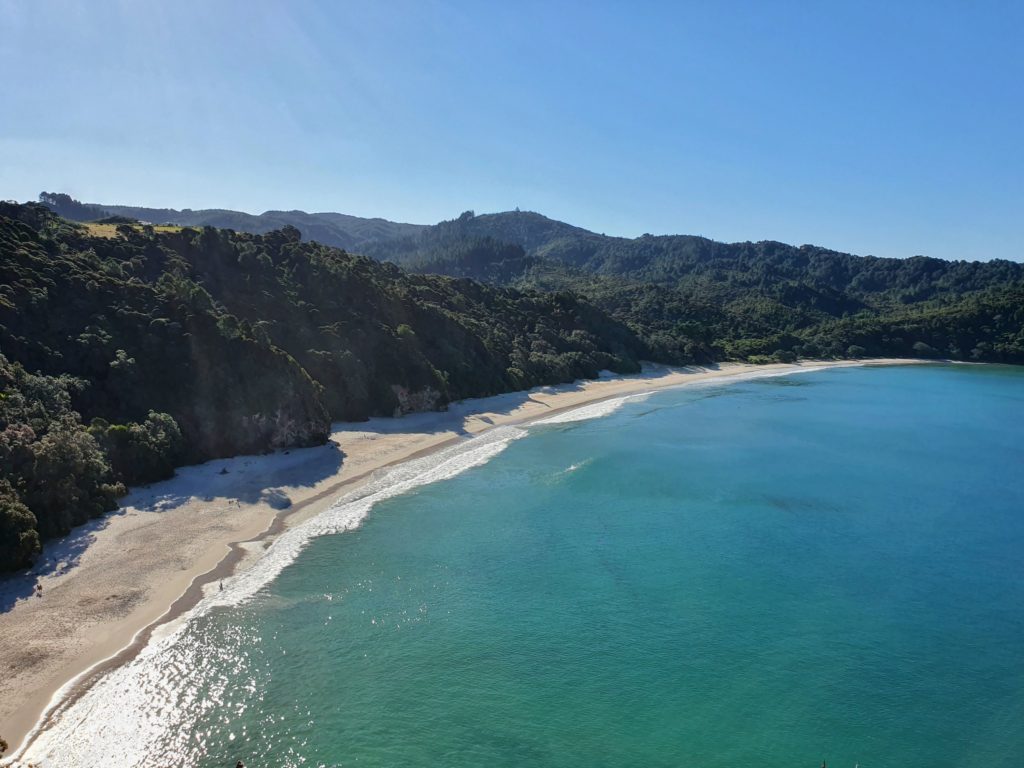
[110, 583]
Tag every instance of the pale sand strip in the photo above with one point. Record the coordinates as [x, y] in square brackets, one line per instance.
[112, 581]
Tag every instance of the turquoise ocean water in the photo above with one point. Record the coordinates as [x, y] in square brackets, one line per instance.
[762, 573]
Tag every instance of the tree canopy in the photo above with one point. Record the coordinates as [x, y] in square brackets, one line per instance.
[129, 353]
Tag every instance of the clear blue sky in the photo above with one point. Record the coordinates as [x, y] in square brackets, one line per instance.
[891, 128]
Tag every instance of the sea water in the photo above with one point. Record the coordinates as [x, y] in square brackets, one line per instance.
[768, 572]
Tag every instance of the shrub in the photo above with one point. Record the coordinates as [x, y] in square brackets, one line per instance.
[19, 540]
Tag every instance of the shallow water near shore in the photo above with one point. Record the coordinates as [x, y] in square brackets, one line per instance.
[762, 572]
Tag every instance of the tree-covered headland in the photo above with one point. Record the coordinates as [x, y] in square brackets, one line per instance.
[129, 348]
[125, 355]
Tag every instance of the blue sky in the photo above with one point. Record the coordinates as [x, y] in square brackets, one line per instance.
[884, 128]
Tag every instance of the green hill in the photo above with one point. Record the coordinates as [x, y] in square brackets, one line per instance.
[337, 229]
[691, 298]
[128, 348]
[150, 348]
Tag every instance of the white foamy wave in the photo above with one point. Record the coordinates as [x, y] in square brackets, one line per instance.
[145, 707]
[593, 411]
[575, 466]
[350, 510]
[606, 407]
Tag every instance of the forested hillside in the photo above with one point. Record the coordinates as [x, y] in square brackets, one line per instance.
[692, 299]
[126, 354]
[689, 298]
[127, 349]
[337, 229]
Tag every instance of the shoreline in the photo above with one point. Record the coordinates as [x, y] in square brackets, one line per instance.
[165, 543]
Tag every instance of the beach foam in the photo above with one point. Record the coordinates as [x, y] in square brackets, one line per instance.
[607, 407]
[593, 411]
[140, 705]
[351, 509]
[111, 703]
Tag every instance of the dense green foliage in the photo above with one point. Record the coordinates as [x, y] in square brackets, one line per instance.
[141, 453]
[53, 474]
[129, 321]
[181, 346]
[691, 299]
[694, 299]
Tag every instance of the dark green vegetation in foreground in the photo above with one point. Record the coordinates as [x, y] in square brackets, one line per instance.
[124, 356]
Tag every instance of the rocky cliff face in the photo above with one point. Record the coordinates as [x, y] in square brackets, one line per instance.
[285, 428]
[427, 399]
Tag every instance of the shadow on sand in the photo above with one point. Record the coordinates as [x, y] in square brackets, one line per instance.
[230, 482]
[252, 479]
[454, 418]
